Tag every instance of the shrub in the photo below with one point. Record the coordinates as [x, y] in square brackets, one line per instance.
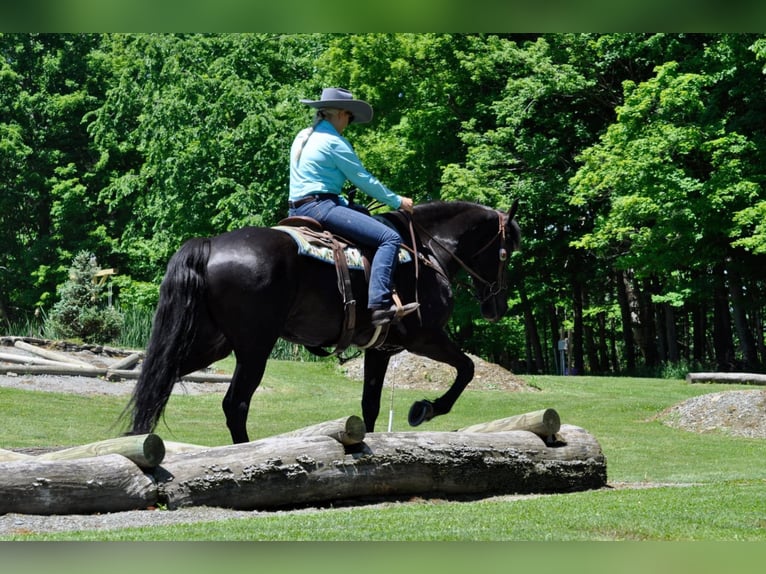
[80, 312]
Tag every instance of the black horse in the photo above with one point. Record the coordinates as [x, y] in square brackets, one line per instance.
[242, 290]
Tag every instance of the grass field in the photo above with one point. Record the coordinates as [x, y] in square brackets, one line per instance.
[704, 487]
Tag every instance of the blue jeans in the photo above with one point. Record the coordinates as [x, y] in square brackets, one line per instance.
[364, 231]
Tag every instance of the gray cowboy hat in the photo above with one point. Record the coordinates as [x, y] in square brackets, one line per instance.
[341, 98]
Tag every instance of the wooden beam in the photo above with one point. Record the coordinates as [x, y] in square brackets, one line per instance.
[109, 483]
[146, 451]
[48, 354]
[544, 423]
[347, 430]
[126, 362]
[737, 378]
[18, 358]
[63, 369]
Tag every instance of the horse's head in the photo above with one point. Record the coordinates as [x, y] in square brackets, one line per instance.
[488, 266]
[476, 239]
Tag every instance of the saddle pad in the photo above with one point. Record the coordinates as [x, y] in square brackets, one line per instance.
[318, 250]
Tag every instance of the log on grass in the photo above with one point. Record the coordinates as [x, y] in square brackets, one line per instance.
[146, 450]
[9, 455]
[544, 423]
[737, 378]
[109, 483]
[126, 362]
[347, 430]
[273, 473]
[197, 377]
[48, 354]
[57, 369]
[30, 360]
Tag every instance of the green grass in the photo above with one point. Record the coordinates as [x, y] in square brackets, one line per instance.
[714, 485]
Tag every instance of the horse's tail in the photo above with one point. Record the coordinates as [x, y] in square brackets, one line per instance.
[174, 328]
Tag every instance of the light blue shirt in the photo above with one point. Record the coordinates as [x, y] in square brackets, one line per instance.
[326, 161]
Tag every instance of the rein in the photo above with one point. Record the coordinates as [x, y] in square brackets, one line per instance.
[494, 287]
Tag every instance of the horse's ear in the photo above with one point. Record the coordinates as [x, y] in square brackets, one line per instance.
[512, 210]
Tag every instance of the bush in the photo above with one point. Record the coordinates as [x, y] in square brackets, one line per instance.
[80, 312]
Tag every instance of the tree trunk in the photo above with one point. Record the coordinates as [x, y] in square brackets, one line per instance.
[578, 331]
[722, 335]
[744, 334]
[535, 348]
[109, 483]
[275, 473]
[556, 334]
[699, 351]
[621, 283]
[671, 336]
[647, 325]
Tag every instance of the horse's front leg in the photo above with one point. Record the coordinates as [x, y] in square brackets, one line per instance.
[375, 367]
[440, 347]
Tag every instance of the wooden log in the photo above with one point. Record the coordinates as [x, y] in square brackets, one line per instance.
[198, 377]
[109, 483]
[30, 360]
[737, 378]
[146, 450]
[126, 362]
[544, 423]
[347, 430]
[62, 369]
[273, 472]
[9, 455]
[48, 354]
[173, 448]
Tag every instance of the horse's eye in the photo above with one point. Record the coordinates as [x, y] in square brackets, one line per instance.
[503, 254]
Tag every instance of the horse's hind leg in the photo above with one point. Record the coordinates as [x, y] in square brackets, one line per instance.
[440, 347]
[236, 403]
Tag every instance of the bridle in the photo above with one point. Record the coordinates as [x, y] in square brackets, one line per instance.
[492, 288]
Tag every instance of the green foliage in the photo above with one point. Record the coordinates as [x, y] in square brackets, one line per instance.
[80, 312]
[638, 160]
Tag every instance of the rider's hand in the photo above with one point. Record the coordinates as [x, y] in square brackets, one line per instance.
[406, 205]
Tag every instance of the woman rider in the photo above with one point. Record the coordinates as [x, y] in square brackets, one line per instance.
[321, 161]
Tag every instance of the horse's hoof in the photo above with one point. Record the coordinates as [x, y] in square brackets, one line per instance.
[420, 412]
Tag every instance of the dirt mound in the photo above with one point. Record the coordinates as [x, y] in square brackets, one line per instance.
[738, 413]
[408, 371]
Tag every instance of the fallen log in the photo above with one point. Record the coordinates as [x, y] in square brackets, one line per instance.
[737, 378]
[30, 360]
[126, 362]
[273, 473]
[109, 483]
[346, 430]
[544, 423]
[48, 354]
[146, 450]
[9, 455]
[60, 369]
[198, 377]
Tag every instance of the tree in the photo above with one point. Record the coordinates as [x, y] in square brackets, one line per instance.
[80, 312]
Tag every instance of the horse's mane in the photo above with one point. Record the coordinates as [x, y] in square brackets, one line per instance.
[445, 208]
[433, 211]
